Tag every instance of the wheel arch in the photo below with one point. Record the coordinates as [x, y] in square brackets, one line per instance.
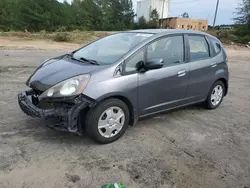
[225, 82]
[133, 117]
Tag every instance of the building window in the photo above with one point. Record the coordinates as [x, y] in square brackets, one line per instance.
[182, 26]
[204, 28]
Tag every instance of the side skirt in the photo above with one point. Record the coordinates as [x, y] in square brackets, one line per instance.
[168, 109]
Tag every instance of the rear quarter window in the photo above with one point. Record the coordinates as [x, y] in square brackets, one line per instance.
[216, 45]
[199, 48]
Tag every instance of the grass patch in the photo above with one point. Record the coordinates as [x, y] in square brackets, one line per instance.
[224, 36]
[61, 37]
[228, 36]
[79, 37]
[244, 40]
[83, 37]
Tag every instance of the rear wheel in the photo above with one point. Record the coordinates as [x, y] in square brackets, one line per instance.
[107, 121]
[216, 95]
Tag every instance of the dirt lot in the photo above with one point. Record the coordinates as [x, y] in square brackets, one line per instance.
[190, 147]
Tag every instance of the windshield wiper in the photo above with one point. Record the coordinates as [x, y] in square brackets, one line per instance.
[82, 59]
[94, 62]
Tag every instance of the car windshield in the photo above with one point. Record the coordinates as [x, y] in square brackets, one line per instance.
[111, 48]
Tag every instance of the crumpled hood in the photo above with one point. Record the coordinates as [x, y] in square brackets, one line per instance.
[56, 70]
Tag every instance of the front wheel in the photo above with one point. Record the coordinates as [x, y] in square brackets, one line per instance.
[216, 95]
[107, 121]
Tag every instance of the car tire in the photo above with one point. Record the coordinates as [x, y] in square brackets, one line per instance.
[212, 101]
[106, 113]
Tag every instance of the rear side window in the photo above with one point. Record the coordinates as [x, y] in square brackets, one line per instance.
[199, 48]
[216, 45]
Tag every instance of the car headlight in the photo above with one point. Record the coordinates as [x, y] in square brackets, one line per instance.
[70, 87]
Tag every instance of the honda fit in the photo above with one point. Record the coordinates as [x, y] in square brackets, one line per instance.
[111, 83]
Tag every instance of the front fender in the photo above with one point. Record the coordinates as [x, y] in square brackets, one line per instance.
[132, 107]
[124, 88]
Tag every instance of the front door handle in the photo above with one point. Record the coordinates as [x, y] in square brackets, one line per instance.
[214, 65]
[181, 73]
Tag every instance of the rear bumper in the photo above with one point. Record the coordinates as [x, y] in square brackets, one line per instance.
[67, 115]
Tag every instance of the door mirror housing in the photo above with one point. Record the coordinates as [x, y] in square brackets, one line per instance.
[155, 63]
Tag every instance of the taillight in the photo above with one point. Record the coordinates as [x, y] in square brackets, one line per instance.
[226, 60]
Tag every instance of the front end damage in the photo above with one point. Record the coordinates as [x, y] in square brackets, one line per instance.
[63, 112]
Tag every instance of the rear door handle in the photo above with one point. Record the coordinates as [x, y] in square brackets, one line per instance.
[181, 73]
[214, 65]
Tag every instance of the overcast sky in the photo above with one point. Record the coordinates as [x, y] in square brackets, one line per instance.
[203, 9]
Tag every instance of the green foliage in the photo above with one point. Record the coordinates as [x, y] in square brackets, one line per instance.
[243, 20]
[185, 15]
[61, 37]
[226, 36]
[8, 14]
[241, 30]
[232, 37]
[61, 29]
[154, 18]
[222, 34]
[142, 23]
[51, 15]
[244, 40]
[152, 23]
[154, 15]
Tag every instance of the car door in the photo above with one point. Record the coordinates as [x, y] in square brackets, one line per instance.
[164, 88]
[201, 66]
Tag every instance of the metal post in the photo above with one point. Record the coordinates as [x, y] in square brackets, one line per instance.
[216, 10]
[163, 5]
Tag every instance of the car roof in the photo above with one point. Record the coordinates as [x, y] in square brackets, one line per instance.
[166, 31]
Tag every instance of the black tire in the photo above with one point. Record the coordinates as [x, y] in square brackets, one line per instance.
[208, 102]
[94, 114]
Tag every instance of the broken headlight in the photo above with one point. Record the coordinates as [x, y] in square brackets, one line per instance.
[70, 87]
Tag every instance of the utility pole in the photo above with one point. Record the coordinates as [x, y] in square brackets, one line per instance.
[162, 14]
[216, 10]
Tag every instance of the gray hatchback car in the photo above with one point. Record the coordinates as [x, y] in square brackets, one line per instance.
[109, 84]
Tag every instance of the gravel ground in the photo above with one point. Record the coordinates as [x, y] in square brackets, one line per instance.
[190, 147]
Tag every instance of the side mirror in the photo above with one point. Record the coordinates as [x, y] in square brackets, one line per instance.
[155, 63]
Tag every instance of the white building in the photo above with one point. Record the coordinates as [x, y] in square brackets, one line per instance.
[143, 8]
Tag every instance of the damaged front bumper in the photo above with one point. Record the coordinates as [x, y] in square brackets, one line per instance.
[66, 111]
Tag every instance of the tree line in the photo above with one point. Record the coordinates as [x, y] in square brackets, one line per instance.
[243, 19]
[51, 15]
[36, 15]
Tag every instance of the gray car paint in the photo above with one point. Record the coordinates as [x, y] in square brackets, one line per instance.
[161, 89]
[56, 70]
[154, 90]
